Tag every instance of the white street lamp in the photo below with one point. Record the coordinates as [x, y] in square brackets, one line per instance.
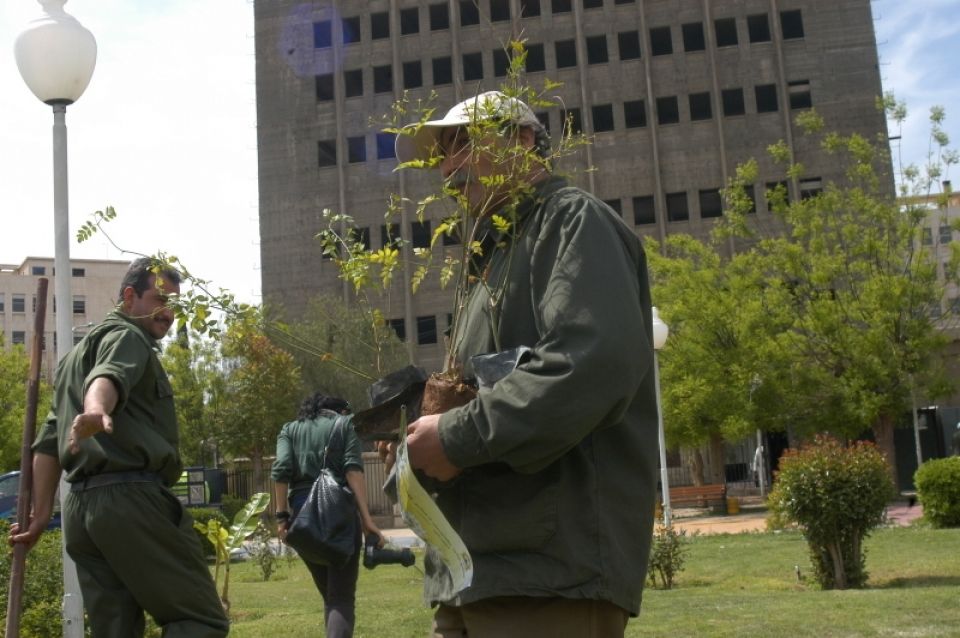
[56, 56]
[660, 333]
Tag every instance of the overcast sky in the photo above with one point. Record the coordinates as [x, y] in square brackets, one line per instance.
[166, 131]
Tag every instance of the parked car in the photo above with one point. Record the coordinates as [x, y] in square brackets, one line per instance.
[9, 489]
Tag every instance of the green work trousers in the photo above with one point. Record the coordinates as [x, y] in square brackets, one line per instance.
[136, 550]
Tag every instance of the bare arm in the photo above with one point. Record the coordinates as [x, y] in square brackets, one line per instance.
[280, 491]
[357, 483]
[98, 403]
[46, 476]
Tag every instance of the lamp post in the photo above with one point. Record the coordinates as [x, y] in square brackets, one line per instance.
[56, 56]
[660, 332]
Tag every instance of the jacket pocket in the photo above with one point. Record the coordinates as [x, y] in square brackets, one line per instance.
[502, 510]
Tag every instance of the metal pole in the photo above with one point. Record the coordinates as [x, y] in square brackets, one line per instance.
[72, 601]
[664, 480]
[761, 464]
[916, 422]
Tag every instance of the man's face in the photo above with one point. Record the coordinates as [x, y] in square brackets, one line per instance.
[149, 310]
[465, 161]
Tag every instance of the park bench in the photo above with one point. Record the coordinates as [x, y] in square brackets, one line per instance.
[713, 496]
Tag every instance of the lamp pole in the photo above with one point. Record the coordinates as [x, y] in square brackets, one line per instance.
[660, 333]
[56, 56]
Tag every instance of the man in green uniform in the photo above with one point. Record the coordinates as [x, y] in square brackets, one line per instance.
[113, 431]
[549, 476]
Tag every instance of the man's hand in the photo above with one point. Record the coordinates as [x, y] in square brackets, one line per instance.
[86, 425]
[29, 537]
[426, 451]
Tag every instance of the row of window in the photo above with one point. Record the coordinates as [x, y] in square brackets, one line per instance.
[40, 271]
[667, 110]
[426, 329]
[661, 40]
[20, 337]
[945, 235]
[18, 303]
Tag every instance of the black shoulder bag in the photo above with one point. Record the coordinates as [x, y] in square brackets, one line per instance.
[324, 530]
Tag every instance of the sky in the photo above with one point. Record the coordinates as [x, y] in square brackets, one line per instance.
[166, 131]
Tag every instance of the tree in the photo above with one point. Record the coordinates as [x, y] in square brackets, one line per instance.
[14, 371]
[260, 392]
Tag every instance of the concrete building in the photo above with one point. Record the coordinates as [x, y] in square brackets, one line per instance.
[674, 93]
[94, 285]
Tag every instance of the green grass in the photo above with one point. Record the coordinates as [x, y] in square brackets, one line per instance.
[733, 585]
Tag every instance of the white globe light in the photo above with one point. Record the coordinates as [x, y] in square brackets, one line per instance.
[56, 55]
[660, 330]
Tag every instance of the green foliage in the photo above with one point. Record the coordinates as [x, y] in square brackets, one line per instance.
[938, 487]
[666, 555]
[262, 552]
[14, 373]
[230, 505]
[837, 495]
[42, 586]
[202, 517]
[193, 366]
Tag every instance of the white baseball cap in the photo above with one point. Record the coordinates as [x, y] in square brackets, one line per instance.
[490, 105]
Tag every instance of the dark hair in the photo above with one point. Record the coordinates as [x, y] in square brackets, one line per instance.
[311, 406]
[138, 275]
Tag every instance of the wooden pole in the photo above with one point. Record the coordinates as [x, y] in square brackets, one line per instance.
[24, 496]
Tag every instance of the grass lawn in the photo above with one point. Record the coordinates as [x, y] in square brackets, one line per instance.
[732, 585]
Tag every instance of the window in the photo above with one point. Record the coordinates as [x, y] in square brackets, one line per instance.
[324, 87]
[791, 24]
[472, 66]
[753, 200]
[726, 32]
[628, 43]
[535, 58]
[733, 102]
[77, 337]
[566, 53]
[389, 234]
[623, 1]
[322, 35]
[710, 203]
[660, 41]
[766, 98]
[799, 92]
[79, 272]
[668, 112]
[777, 193]
[616, 205]
[469, 13]
[351, 30]
[426, 330]
[693, 38]
[544, 119]
[79, 305]
[499, 10]
[561, 6]
[677, 210]
[412, 75]
[357, 149]
[927, 237]
[18, 337]
[439, 16]
[643, 210]
[573, 121]
[353, 83]
[327, 152]
[592, 4]
[634, 114]
[360, 236]
[946, 234]
[602, 118]
[382, 79]
[33, 306]
[700, 108]
[501, 63]
[452, 236]
[2, 300]
[386, 146]
[410, 21]
[758, 28]
[400, 327]
[442, 70]
[529, 8]
[18, 303]
[38, 270]
[810, 187]
[380, 25]
[597, 49]
[420, 234]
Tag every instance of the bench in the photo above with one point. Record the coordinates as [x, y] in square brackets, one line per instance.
[699, 495]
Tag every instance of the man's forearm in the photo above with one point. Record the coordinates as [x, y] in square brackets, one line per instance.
[46, 477]
[101, 396]
[358, 485]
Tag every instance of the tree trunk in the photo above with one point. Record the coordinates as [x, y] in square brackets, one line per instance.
[839, 573]
[257, 460]
[883, 433]
[717, 455]
[691, 457]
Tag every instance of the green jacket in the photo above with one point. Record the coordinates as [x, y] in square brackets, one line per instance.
[300, 446]
[145, 435]
[560, 456]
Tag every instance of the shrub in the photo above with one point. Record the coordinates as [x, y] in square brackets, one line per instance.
[42, 586]
[938, 487]
[836, 495]
[230, 505]
[666, 555]
[203, 515]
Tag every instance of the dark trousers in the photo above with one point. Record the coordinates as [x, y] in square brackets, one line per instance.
[522, 617]
[136, 550]
[337, 585]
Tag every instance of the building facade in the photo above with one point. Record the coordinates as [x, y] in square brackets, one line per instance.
[94, 284]
[674, 94]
